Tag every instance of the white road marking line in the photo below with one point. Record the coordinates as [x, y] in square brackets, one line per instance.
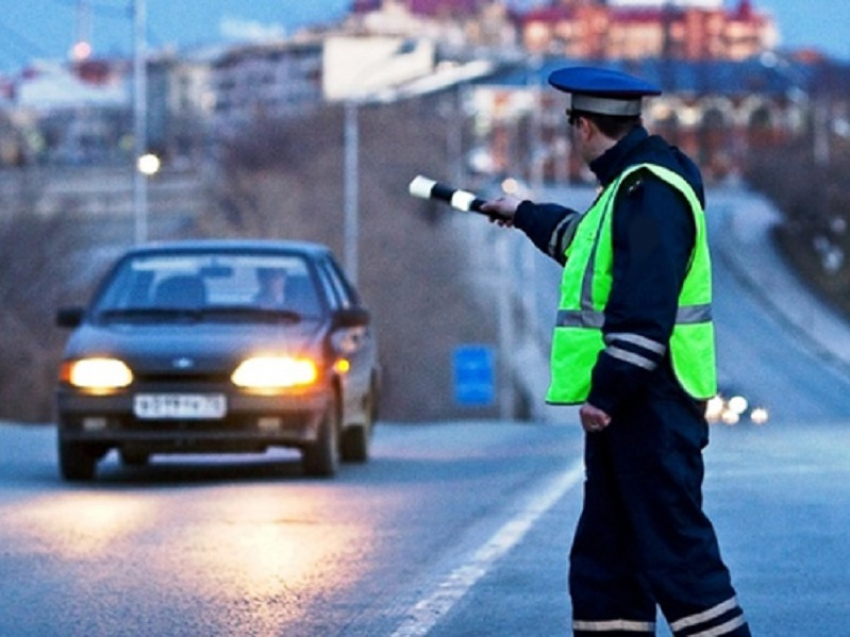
[425, 614]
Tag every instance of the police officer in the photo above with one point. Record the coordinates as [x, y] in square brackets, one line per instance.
[634, 346]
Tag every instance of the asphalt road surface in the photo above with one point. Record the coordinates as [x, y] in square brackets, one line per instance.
[452, 529]
[239, 546]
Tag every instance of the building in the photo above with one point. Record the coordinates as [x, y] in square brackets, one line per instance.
[265, 82]
[639, 29]
[588, 29]
[73, 114]
[718, 111]
[180, 102]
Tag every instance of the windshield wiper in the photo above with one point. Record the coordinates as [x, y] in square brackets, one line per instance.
[149, 313]
[251, 312]
[209, 312]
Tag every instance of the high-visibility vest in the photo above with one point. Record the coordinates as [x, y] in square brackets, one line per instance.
[586, 286]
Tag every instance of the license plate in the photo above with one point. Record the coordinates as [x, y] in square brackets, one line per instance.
[198, 406]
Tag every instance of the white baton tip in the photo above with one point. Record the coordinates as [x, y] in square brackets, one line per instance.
[462, 200]
[421, 187]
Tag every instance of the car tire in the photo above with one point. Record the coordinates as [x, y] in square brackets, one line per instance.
[355, 444]
[77, 462]
[321, 458]
[356, 438]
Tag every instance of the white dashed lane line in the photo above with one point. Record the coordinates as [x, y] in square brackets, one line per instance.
[427, 612]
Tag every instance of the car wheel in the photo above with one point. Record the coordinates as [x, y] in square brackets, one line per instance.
[355, 444]
[77, 461]
[321, 458]
[134, 458]
[356, 438]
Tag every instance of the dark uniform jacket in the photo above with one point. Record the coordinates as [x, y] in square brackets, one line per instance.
[653, 234]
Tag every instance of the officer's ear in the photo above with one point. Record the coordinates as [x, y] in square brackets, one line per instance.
[586, 128]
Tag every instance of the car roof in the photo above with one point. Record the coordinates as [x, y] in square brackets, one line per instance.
[308, 248]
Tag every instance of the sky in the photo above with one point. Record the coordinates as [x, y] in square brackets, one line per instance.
[46, 28]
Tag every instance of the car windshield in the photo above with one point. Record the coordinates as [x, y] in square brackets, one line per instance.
[210, 286]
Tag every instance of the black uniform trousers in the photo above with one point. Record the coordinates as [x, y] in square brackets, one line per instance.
[642, 539]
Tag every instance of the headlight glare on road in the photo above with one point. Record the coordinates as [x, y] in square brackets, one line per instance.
[275, 372]
[96, 374]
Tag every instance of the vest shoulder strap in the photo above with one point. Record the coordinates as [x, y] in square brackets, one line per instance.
[666, 175]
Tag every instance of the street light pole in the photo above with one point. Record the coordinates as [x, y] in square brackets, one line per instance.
[352, 187]
[140, 185]
[352, 161]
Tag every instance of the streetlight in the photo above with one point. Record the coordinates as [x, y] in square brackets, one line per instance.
[351, 140]
[351, 188]
[148, 164]
[140, 192]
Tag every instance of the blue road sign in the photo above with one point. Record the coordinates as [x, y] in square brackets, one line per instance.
[474, 376]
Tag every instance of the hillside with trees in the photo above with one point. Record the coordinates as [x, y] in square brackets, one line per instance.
[813, 196]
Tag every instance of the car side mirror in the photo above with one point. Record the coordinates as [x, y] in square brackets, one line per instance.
[351, 317]
[69, 317]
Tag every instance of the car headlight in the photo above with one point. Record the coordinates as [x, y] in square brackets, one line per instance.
[275, 372]
[96, 374]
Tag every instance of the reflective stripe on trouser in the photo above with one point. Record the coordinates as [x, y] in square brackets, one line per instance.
[642, 539]
[722, 620]
[613, 626]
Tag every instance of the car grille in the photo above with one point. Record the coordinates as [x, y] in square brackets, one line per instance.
[182, 377]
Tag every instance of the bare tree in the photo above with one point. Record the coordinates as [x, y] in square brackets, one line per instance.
[285, 179]
[38, 260]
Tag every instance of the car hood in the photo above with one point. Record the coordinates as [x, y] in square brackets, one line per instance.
[195, 346]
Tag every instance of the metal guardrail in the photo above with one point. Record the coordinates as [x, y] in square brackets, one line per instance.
[96, 191]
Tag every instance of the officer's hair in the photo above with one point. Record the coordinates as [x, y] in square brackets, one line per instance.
[613, 126]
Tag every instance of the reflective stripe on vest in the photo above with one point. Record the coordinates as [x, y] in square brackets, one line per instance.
[589, 318]
[585, 289]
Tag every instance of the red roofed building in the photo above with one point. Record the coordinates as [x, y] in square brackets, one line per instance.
[589, 29]
[634, 30]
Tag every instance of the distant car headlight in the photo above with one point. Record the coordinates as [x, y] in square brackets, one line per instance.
[714, 408]
[738, 404]
[759, 415]
[96, 374]
[275, 372]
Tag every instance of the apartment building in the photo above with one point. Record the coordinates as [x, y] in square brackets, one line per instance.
[265, 81]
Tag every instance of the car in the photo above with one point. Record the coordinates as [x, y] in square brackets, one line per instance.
[187, 347]
[732, 406]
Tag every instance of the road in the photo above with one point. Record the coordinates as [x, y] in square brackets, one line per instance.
[759, 353]
[238, 545]
[453, 529]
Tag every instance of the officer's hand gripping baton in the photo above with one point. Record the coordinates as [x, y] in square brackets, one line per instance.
[424, 188]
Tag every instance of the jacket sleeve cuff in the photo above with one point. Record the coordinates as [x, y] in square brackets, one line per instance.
[524, 214]
[612, 385]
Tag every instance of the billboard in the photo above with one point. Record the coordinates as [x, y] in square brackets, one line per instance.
[360, 67]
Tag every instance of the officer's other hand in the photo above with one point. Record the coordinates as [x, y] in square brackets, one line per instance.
[502, 210]
[593, 419]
